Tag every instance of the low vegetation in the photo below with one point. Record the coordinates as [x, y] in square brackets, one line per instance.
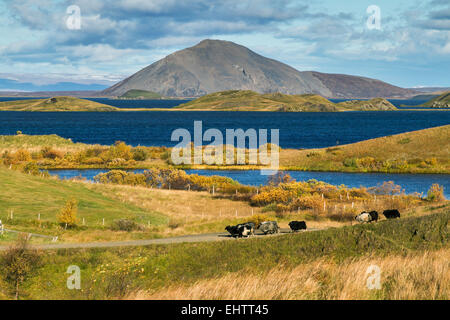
[415, 276]
[422, 151]
[235, 100]
[162, 270]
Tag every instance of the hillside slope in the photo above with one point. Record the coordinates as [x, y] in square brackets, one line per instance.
[28, 195]
[442, 101]
[423, 151]
[214, 65]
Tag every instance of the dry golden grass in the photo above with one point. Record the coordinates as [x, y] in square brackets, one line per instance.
[189, 211]
[419, 276]
[414, 147]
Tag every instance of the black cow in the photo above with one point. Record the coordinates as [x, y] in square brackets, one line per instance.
[233, 230]
[391, 214]
[374, 215]
[297, 225]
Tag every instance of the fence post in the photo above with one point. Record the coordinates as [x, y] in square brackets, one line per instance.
[236, 213]
[103, 221]
[214, 191]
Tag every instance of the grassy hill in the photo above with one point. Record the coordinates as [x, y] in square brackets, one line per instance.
[442, 101]
[36, 142]
[236, 100]
[417, 151]
[29, 196]
[140, 94]
[55, 104]
[376, 104]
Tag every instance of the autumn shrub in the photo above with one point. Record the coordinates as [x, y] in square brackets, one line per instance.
[278, 178]
[49, 153]
[386, 188]
[31, 168]
[8, 158]
[67, 217]
[139, 154]
[125, 225]
[93, 161]
[22, 155]
[350, 162]
[277, 195]
[314, 202]
[431, 162]
[120, 150]
[18, 263]
[436, 193]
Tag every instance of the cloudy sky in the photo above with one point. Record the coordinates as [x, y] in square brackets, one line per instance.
[41, 49]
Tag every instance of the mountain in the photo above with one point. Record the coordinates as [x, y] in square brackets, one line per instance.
[215, 65]
[431, 89]
[236, 100]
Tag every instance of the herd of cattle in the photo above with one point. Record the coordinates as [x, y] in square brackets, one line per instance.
[365, 217]
[267, 227]
[271, 227]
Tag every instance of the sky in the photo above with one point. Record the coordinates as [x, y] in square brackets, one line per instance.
[43, 47]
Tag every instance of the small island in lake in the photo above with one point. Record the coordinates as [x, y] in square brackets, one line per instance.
[56, 104]
[246, 100]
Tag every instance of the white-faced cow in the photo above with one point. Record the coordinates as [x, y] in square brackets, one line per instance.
[363, 217]
[241, 230]
[297, 225]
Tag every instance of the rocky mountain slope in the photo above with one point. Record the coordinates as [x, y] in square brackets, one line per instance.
[215, 65]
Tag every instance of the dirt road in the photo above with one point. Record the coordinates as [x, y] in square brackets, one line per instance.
[207, 237]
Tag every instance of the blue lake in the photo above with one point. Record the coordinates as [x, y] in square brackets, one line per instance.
[297, 130]
[409, 182]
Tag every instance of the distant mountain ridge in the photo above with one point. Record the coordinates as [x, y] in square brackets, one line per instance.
[215, 65]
